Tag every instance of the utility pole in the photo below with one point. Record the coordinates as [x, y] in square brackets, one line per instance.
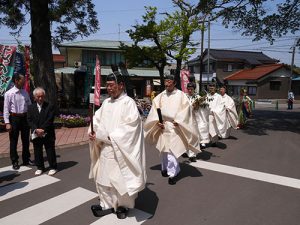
[119, 33]
[292, 64]
[201, 57]
[208, 52]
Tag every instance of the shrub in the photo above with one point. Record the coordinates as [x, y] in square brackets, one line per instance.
[72, 120]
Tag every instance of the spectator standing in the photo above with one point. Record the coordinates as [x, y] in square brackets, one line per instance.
[291, 98]
[40, 118]
[16, 102]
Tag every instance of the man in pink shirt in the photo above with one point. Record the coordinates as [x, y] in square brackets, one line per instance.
[16, 101]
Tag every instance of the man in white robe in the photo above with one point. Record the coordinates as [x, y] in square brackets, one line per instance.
[117, 151]
[217, 116]
[176, 133]
[201, 113]
[231, 114]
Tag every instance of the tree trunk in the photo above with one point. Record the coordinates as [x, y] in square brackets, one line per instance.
[177, 73]
[162, 79]
[43, 66]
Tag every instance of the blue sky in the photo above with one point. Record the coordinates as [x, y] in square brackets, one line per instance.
[117, 16]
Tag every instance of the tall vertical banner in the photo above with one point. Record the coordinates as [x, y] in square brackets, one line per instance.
[6, 66]
[184, 77]
[97, 82]
[27, 69]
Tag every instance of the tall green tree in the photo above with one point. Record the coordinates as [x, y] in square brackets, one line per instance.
[52, 21]
[150, 55]
[169, 39]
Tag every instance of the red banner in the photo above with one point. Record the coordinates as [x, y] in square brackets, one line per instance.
[184, 75]
[27, 69]
[97, 82]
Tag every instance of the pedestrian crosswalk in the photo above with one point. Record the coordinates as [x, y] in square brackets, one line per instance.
[44, 211]
[31, 184]
[250, 174]
[6, 171]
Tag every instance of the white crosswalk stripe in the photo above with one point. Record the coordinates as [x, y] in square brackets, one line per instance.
[251, 174]
[135, 217]
[45, 210]
[6, 171]
[14, 189]
[56, 206]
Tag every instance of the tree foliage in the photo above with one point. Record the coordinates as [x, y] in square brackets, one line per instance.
[69, 19]
[169, 38]
[52, 21]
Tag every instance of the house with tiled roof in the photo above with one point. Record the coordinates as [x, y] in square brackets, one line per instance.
[220, 63]
[270, 81]
[77, 76]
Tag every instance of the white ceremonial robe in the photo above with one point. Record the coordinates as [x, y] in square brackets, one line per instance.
[118, 162]
[191, 101]
[175, 107]
[217, 119]
[231, 114]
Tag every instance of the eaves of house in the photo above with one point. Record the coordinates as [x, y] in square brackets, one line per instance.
[252, 58]
[94, 44]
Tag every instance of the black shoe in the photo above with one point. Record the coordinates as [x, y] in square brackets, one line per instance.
[28, 163]
[172, 180]
[15, 166]
[213, 144]
[99, 212]
[203, 146]
[164, 173]
[184, 155]
[122, 212]
[193, 159]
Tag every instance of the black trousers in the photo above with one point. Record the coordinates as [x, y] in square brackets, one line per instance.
[19, 124]
[49, 143]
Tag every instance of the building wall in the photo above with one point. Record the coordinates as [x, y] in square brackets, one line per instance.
[73, 55]
[264, 91]
[222, 69]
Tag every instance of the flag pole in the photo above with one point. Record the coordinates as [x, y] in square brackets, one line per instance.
[91, 113]
[97, 88]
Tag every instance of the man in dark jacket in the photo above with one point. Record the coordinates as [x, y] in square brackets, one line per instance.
[40, 118]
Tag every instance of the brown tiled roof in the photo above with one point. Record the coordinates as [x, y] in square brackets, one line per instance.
[255, 73]
[57, 58]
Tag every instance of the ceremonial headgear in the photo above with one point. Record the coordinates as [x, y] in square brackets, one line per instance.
[191, 85]
[169, 77]
[115, 76]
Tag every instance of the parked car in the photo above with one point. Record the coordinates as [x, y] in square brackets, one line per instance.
[103, 94]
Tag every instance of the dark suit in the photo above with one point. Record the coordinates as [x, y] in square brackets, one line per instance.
[43, 120]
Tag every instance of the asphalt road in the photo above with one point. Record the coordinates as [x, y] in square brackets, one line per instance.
[253, 178]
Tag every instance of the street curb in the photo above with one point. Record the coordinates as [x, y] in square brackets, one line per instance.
[57, 147]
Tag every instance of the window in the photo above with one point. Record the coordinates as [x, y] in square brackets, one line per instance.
[252, 90]
[107, 58]
[275, 85]
[236, 90]
[229, 67]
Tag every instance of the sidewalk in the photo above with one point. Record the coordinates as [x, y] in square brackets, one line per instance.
[65, 137]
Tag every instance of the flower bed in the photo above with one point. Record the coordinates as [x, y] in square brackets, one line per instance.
[71, 121]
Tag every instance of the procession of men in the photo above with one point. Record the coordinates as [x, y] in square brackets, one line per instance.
[178, 124]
